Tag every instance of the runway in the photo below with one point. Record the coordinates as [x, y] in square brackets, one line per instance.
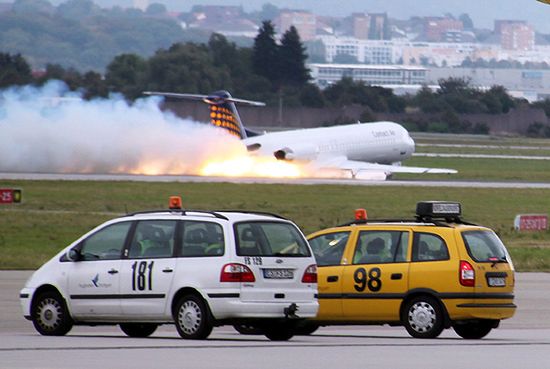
[520, 342]
[298, 181]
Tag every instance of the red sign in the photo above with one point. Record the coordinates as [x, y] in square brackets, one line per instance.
[9, 195]
[531, 222]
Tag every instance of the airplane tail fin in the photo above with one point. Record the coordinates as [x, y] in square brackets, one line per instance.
[223, 112]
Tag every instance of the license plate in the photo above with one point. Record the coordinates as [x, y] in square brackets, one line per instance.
[278, 274]
[497, 281]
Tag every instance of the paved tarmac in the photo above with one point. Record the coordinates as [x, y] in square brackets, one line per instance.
[520, 342]
[299, 181]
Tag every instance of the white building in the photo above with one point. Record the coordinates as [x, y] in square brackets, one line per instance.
[364, 51]
[441, 54]
[401, 77]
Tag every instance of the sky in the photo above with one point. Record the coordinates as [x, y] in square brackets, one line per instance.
[482, 12]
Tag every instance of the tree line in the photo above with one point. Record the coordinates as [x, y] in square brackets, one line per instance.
[270, 71]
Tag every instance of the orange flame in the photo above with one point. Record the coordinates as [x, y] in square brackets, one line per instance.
[251, 166]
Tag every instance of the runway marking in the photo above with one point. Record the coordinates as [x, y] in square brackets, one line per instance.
[508, 147]
[480, 156]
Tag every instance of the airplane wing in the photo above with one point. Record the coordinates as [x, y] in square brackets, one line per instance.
[356, 167]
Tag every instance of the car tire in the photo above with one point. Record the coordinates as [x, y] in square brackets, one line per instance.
[138, 330]
[248, 329]
[423, 317]
[474, 330]
[192, 318]
[305, 329]
[279, 332]
[50, 315]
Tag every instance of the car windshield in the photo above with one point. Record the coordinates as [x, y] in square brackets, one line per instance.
[485, 246]
[270, 239]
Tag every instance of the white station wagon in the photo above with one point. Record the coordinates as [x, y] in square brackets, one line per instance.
[197, 269]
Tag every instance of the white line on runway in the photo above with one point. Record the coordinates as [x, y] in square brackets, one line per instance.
[481, 156]
[299, 181]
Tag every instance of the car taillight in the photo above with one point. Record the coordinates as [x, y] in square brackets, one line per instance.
[310, 275]
[467, 274]
[235, 272]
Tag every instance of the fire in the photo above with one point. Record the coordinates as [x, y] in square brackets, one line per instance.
[251, 166]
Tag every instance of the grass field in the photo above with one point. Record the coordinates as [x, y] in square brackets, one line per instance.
[55, 213]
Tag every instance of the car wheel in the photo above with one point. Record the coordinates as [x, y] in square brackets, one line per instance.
[423, 317]
[140, 330]
[192, 318]
[279, 332]
[248, 329]
[305, 329]
[50, 315]
[474, 330]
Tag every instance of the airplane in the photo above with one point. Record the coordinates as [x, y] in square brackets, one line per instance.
[365, 150]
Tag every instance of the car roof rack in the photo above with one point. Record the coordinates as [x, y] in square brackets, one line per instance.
[447, 221]
[179, 211]
[254, 212]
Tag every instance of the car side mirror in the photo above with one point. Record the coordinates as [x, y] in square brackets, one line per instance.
[74, 255]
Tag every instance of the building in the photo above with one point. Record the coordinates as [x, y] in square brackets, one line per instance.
[443, 29]
[517, 36]
[404, 78]
[379, 27]
[360, 26]
[530, 84]
[362, 51]
[304, 22]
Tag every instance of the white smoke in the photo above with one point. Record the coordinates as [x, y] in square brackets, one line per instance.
[50, 129]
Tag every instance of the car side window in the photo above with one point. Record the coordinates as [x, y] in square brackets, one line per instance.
[153, 239]
[381, 247]
[202, 239]
[106, 244]
[429, 247]
[329, 248]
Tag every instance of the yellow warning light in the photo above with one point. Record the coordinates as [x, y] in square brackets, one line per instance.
[360, 214]
[174, 202]
[214, 107]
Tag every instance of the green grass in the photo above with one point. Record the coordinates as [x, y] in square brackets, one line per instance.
[482, 169]
[55, 213]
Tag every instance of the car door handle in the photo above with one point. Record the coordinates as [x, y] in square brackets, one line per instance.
[113, 271]
[167, 270]
[396, 276]
[332, 278]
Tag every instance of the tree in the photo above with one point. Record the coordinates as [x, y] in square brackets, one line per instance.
[156, 9]
[32, 6]
[466, 21]
[265, 54]
[292, 59]
[126, 74]
[14, 70]
[78, 9]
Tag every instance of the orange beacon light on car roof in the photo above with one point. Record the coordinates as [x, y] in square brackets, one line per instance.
[360, 214]
[174, 202]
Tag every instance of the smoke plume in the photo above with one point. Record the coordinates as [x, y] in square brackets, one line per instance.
[50, 129]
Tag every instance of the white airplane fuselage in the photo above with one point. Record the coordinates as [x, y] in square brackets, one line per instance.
[378, 142]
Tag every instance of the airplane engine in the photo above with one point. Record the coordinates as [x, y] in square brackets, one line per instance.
[306, 152]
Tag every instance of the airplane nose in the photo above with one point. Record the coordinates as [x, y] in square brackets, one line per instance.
[410, 144]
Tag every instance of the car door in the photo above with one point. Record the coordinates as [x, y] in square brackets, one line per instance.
[376, 280]
[329, 249]
[148, 268]
[94, 279]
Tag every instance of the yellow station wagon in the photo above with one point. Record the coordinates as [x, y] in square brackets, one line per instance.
[434, 272]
